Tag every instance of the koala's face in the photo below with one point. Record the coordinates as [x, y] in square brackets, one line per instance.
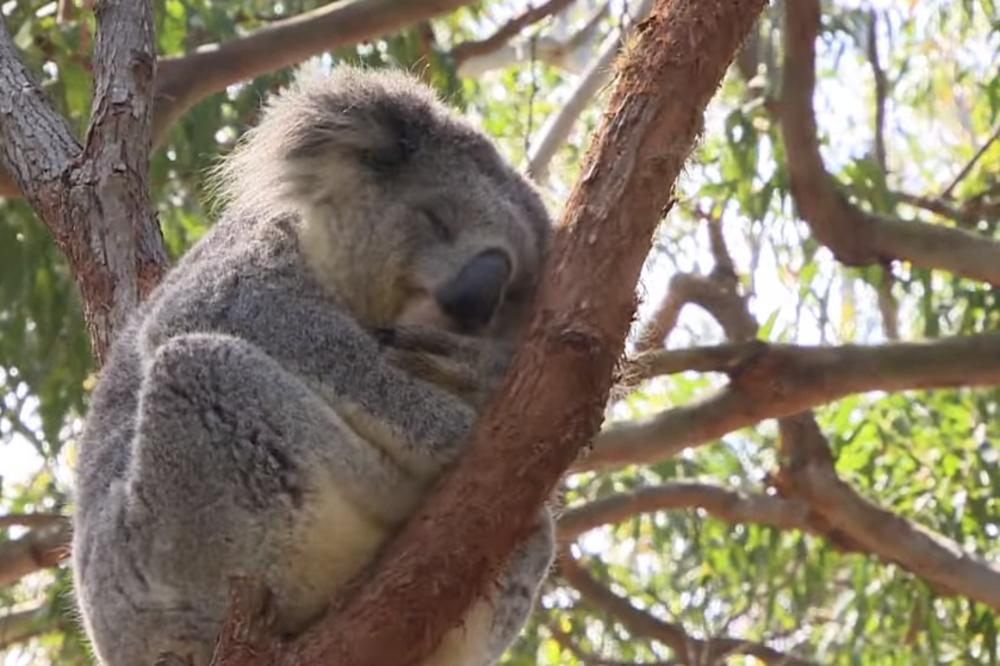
[472, 248]
[410, 215]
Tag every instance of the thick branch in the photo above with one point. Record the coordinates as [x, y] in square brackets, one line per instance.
[40, 548]
[785, 380]
[94, 199]
[728, 505]
[38, 147]
[849, 368]
[934, 558]
[687, 648]
[462, 52]
[456, 543]
[854, 236]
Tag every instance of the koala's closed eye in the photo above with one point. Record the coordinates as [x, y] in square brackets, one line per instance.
[438, 226]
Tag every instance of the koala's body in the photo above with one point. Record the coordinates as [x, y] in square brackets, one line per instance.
[283, 400]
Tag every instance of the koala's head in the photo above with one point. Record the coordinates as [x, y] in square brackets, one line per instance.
[409, 215]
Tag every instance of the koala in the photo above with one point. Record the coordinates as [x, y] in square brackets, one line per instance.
[283, 400]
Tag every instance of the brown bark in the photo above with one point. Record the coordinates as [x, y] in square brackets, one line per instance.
[453, 547]
[93, 197]
[854, 236]
[38, 549]
[777, 381]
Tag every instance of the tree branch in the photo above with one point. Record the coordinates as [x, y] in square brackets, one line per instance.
[558, 127]
[93, 198]
[810, 475]
[183, 81]
[854, 236]
[729, 505]
[38, 549]
[31, 519]
[22, 625]
[971, 163]
[687, 649]
[186, 80]
[967, 214]
[717, 293]
[572, 54]
[881, 90]
[462, 52]
[785, 380]
[458, 540]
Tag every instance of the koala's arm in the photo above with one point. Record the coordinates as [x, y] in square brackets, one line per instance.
[417, 425]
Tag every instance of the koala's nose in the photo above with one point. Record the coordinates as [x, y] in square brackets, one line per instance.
[471, 297]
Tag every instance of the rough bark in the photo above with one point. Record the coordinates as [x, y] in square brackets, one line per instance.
[93, 197]
[453, 547]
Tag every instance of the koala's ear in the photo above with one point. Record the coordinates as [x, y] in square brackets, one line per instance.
[324, 137]
[375, 134]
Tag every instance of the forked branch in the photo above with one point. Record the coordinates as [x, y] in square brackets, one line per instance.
[93, 197]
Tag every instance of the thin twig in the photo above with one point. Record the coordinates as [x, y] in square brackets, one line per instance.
[946, 193]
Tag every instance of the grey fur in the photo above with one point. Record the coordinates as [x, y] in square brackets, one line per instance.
[249, 422]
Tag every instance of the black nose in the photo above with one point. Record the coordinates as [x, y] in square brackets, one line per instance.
[471, 297]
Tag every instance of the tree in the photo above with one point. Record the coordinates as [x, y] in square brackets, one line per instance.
[873, 514]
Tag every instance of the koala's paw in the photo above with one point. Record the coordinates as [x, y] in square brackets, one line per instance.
[467, 366]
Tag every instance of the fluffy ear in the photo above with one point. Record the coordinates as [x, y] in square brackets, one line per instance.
[327, 135]
[375, 134]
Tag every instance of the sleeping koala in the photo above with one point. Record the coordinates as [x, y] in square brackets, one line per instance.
[282, 401]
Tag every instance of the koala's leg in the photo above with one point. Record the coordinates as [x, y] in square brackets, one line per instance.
[240, 469]
[493, 624]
